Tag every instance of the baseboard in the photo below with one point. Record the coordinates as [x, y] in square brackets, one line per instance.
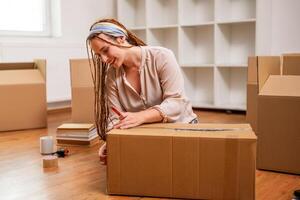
[59, 106]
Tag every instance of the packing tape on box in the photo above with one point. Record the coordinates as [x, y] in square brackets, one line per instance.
[50, 161]
[46, 145]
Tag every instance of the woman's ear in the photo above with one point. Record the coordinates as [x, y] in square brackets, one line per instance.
[121, 39]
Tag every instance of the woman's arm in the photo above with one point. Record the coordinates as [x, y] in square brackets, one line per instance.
[132, 119]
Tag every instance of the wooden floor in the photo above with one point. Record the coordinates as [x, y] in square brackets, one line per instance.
[80, 175]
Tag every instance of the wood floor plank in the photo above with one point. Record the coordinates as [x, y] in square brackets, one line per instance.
[80, 175]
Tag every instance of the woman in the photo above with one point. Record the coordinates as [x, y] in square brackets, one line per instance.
[134, 83]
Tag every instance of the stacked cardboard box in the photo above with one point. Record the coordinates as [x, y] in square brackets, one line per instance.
[76, 134]
[197, 161]
[279, 119]
[267, 65]
[277, 111]
[82, 91]
[23, 95]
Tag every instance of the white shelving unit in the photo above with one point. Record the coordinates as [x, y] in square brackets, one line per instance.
[211, 39]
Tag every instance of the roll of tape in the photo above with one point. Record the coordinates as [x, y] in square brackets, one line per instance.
[46, 145]
[50, 161]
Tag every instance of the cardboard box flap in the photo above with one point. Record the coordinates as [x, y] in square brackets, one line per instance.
[80, 73]
[23, 76]
[291, 64]
[281, 86]
[200, 125]
[267, 65]
[202, 131]
[252, 69]
[15, 66]
[41, 65]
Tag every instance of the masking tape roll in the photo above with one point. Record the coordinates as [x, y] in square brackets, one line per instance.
[46, 145]
[50, 161]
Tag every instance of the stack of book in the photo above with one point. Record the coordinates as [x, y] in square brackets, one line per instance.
[76, 134]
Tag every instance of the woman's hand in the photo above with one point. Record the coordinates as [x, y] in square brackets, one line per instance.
[130, 119]
[103, 154]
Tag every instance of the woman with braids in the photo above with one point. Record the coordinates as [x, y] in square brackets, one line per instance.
[134, 83]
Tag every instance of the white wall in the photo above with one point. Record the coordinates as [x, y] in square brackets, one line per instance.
[278, 27]
[76, 18]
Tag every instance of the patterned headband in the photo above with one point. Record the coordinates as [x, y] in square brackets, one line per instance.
[107, 28]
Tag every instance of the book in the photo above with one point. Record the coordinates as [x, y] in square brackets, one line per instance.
[76, 134]
[77, 142]
[76, 126]
[75, 137]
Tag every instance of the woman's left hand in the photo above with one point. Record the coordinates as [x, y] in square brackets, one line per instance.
[130, 119]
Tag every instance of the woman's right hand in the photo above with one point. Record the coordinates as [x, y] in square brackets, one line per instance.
[103, 154]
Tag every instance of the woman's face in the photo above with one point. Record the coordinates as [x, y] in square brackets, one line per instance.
[109, 54]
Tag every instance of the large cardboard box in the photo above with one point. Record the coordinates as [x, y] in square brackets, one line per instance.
[291, 64]
[279, 124]
[82, 91]
[197, 161]
[23, 95]
[266, 65]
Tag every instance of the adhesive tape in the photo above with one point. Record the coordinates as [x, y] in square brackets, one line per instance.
[50, 161]
[46, 145]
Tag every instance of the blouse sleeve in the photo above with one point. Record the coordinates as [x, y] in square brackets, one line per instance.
[172, 84]
[112, 97]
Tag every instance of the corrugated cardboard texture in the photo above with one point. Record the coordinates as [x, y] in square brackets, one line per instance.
[83, 105]
[252, 95]
[279, 124]
[291, 64]
[22, 106]
[80, 73]
[82, 91]
[252, 70]
[22, 97]
[279, 138]
[16, 66]
[22, 76]
[281, 86]
[41, 65]
[178, 160]
[267, 65]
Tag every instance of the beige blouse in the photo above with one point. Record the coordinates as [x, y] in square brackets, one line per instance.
[162, 87]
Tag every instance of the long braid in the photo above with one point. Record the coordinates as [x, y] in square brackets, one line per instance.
[99, 74]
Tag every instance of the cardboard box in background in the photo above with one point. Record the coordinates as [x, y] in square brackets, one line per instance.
[259, 67]
[82, 91]
[23, 103]
[279, 119]
[183, 161]
[291, 64]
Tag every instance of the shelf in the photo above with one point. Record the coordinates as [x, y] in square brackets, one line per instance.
[162, 12]
[165, 37]
[133, 28]
[236, 21]
[232, 65]
[199, 85]
[211, 40]
[235, 42]
[230, 90]
[235, 9]
[164, 26]
[196, 11]
[196, 65]
[241, 107]
[198, 104]
[132, 12]
[197, 24]
[197, 44]
[140, 34]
